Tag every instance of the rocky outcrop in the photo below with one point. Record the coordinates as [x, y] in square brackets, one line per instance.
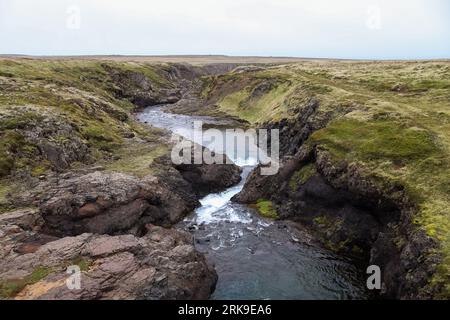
[142, 91]
[47, 135]
[111, 203]
[106, 222]
[139, 88]
[352, 215]
[163, 264]
[210, 179]
[351, 211]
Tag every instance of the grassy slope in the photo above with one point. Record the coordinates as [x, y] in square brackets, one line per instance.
[398, 128]
[80, 93]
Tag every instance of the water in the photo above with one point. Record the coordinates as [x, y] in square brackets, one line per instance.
[257, 258]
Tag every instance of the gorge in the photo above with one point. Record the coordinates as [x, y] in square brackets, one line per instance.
[87, 179]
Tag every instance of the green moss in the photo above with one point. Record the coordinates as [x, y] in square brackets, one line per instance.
[6, 164]
[378, 140]
[10, 288]
[10, 143]
[83, 263]
[301, 176]
[41, 168]
[102, 137]
[323, 221]
[266, 209]
[20, 120]
[137, 160]
[5, 188]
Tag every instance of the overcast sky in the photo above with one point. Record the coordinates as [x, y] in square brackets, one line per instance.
[305, 28]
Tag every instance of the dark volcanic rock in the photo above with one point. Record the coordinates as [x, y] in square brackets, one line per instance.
[351, 215]
[210, 178]
[349, 211]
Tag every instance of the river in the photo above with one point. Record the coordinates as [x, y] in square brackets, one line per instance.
[257, 258]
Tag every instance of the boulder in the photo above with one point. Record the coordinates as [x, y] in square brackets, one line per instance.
[163, 264]
[111, 203]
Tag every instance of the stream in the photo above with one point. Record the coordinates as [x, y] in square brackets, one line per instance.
[257, 258]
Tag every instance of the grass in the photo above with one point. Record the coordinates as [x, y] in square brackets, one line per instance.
[378, 141]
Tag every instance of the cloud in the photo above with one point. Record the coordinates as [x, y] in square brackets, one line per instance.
[342, 29]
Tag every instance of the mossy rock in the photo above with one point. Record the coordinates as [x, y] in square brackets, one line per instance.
[266, 209]
[10, 288]
[302, 175]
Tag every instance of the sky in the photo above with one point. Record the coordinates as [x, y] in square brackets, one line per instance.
[354, 29]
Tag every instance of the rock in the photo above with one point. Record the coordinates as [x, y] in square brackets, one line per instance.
[161, 265]
[55, 140]
[350, 212]
[138, 88]
[26, 219]
[111, 203]
[211, 178]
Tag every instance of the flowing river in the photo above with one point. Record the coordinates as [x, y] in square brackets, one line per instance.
[257, 258]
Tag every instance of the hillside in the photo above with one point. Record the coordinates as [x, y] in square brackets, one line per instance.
[390, 120]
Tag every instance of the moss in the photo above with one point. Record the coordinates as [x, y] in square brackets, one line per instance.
[266, 209]
[378, 140]
[323, 221]
[6, 164]
[83, 263]
[301, 176]
[11, 141]
[137, 160]
[41, 168]
[19, 120]
[10, 288]
[5, 188]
